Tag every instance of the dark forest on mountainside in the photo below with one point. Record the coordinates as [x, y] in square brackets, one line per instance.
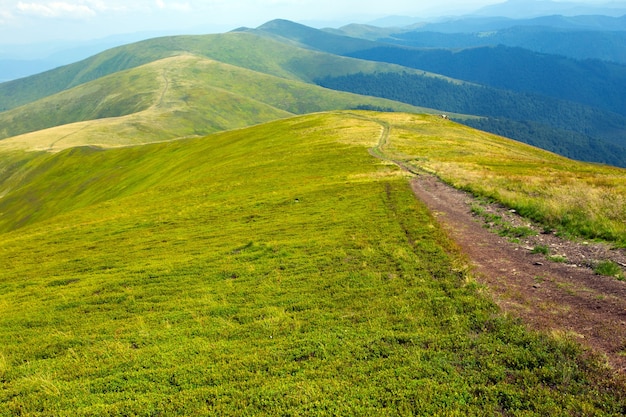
[570, 129]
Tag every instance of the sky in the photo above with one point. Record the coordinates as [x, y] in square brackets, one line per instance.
[28, 21]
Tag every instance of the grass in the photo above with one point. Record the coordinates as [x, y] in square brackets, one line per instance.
[575, 198]
[277, 270]
[501, 227]
[557, 258]
[518, 232]
[175, 97]
[609, 269]
[542, 249]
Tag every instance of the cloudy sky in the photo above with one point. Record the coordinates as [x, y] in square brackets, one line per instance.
[38, 20]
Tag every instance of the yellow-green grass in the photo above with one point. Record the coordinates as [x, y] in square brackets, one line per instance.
[176, 97]
[274, 270]
[251, 51]
[580, 199]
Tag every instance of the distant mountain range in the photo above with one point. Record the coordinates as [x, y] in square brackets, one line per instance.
[533, 8]
[579, 37]
[512, 9]
[571, 107]
[18, 60]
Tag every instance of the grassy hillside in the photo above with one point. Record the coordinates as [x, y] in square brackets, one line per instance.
[576, 198]
[171, 98]
[243, 49]
[279, 269]
[584, 132]
[111, 96]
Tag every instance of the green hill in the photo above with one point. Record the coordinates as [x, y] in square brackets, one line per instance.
[277, 269]
[170, 98]
[256, 52]
[279, 48]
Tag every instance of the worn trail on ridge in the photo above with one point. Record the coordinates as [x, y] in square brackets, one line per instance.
[548, 296]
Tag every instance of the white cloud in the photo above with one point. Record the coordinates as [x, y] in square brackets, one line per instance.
[5, 16]
[176, 6]
[181, 7]
[56, 9]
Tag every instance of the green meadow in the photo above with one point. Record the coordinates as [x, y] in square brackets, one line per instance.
[274, 270]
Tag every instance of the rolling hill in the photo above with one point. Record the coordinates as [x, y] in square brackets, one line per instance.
[170, 98]
[240, 48]
[575, 130]
[175, 87]
[214, 234]
[280, 268]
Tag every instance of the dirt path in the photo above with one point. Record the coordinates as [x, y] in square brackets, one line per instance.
[564, 297]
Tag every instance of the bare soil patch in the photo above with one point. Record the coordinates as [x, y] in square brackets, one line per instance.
[564, 296]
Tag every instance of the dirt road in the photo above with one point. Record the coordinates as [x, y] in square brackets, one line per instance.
[564, 296]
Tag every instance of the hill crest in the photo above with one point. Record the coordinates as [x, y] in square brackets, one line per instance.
[184, 95]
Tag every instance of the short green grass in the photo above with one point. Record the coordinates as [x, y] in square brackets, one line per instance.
[501, 227]
[558, 258]
[277, 270]
[609, 269]
[542, 249]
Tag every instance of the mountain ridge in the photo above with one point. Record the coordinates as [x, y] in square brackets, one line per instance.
[188, 96]
[553, 114]
[286, 61]
[280, 268]
[277, 49]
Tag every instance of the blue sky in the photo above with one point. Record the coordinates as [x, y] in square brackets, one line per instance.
[25, 21]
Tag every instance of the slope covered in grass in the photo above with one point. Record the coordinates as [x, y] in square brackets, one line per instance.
[171, 98]
[256, 52]
[279, 269]
[580, 199]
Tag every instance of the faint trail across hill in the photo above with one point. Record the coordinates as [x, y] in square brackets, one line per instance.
[554, 297]
[164, 90]
[53, 144]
